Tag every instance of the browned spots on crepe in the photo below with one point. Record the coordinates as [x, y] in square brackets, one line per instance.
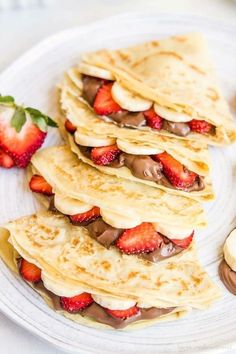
[212, 94]
[105, 265]
[184, 285]
[196, 280]
[132, 275]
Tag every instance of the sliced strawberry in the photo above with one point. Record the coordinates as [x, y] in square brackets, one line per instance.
[105, 155]
[178, 175]
[104, 103]
[86, 217]
[153, 120]
[29, 271]
[123, 314]
[71, 128]
[185, 242]
[200, 126]
[140, 239]
[76, 303]
[20, 145]
[5, 160]
[38, 184]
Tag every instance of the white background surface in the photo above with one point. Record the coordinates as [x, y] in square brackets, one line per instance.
[20, 29]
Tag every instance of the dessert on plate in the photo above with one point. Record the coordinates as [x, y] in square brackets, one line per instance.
[179, 167]
[98, 287]
[134, 218]
[168, 86]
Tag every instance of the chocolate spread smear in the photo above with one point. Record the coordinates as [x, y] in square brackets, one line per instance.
[130, 119]
[103, 233]
[227, 276]
[99, 314]
[91, 86]
[144, 167]
[180, 129]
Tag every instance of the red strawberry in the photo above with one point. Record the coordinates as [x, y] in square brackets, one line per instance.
[178, 175]
[76, 303]
[86, 217]
[20, 145]
[104, 103]
[185, 242]
[200, 126]
[5, 160]
[29, 271]
[153, 120]
[38, 184]
[140, 239]
[123, 314]
[71, 128]
[105, 155]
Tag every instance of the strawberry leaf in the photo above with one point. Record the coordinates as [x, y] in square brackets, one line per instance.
[6, 99]
[18, 119]
[50, 121]
[40, 119]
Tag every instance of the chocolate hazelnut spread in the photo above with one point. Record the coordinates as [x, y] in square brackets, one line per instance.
[131, 119]
[180, 129]
[91, 86]
[166, 250]
[227, 276]
[99, 314]
[144, 167]
[105, 234]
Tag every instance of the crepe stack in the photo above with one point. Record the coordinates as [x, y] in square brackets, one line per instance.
[116, 248]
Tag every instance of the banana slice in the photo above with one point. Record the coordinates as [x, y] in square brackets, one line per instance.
[70, 206]
[92, 141]
[112, 303]
[171, 115]
[129, 100]
[95, 71]
[119, 221]
[60, 289]
[137, 149]
[172, 232]
[230, 250]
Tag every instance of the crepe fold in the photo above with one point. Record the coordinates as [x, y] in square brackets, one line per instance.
[175, 73]
[192, 154]
[71, 260]
[72, 178]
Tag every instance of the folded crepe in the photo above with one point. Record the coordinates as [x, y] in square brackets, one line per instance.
[136, 149]
[171, 78]
[68, 263]
[132, 217]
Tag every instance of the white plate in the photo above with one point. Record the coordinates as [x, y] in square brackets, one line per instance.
[32, 79]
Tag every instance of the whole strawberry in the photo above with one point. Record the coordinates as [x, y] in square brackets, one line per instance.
[22, 132]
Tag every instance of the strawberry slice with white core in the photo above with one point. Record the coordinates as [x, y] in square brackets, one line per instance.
[22, 130]
[185, 242]
[29, 271]
[87, 216]
[140, 239]
[38, 184]
[76, 303]
[105, 155]
[123, 314]
[178, 175]
[104, 103]
[5, 160]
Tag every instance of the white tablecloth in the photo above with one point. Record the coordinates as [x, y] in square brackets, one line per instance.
[20, 29]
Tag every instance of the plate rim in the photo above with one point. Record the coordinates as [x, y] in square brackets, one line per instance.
[38, 49]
